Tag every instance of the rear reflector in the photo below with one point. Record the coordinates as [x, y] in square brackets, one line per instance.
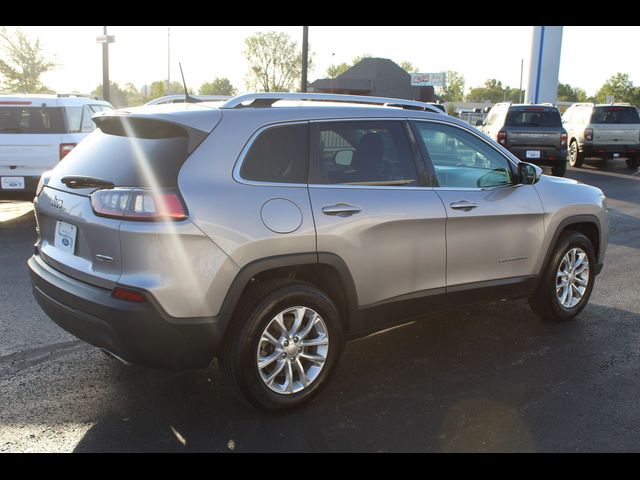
[138, 204]
[128, 295]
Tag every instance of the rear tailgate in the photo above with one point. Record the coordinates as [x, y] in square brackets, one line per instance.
[28, 154]
[615, 125]
[129, 150]
[534, 126]
[540, 137]
[616, 134]
[75, 241]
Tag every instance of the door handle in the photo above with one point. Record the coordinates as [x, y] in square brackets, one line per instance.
[463, 205]
[341, 209]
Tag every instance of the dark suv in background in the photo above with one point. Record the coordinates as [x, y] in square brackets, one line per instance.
[533, 133]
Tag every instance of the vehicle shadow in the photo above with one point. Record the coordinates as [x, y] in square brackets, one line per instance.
[491, 378]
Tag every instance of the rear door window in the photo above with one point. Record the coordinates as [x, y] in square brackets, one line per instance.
[614, 115]
[31, 120]
[533, 117]
[365, 153]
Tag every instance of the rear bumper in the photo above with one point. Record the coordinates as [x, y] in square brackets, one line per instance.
[139, 333]
[549, 156]
[609, 151]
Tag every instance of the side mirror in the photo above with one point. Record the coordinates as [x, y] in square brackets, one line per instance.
[479, 123]
[529, 173]
[343, 158]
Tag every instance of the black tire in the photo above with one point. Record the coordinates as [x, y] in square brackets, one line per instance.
[576, 159]
[560, 169]
[544, 301]
[633, 162]
[258, 307]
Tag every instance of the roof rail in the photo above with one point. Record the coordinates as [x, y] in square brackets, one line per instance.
[626, 104]
[268, 99]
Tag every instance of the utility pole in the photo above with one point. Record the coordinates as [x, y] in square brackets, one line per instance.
[105, 40]
[305, 55]
[168, 60]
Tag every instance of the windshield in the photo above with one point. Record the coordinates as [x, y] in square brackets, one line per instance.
[31, 120]
[533, 117]
[615, 115]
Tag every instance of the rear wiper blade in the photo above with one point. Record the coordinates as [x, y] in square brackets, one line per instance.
[77, 181]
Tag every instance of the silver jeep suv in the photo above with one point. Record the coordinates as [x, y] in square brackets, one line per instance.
[269, 229]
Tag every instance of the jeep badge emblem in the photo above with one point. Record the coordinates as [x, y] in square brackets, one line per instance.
[56, 202]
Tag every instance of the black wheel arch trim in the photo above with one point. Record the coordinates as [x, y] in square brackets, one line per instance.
[567, 222]
[249, 271]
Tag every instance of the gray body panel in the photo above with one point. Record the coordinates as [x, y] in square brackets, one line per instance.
[394, 246]
[497, 239]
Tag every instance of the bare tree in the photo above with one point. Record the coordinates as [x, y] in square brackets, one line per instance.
[275, 62]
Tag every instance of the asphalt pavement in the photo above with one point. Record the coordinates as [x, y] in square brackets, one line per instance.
[487, 378]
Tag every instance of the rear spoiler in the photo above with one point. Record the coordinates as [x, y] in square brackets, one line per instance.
[161, 122]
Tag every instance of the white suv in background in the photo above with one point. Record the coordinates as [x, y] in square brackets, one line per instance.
[37, 131]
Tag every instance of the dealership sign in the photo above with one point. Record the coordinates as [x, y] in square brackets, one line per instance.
[428, 79]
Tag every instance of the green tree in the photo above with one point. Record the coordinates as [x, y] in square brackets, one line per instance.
[492, 91]
[159, 89]
[453, 90]
[620, 87]
[567, 93]
[219, 86]
[409, 67]
[275, 62]
[133, 96]
[117, 96]
[23, 62]
[334, 70]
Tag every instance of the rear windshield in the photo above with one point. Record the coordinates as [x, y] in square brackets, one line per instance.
[532, 117]
[615, 115]
[150, 156]
[32, 120]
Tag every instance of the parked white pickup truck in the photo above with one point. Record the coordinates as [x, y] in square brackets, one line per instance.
[37, 131]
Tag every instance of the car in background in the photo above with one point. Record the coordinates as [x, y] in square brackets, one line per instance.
[38, 131]
[180, 99]
[603, 131]
[533, 133]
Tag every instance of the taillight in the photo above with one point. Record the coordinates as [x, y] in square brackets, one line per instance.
[588, 134]
[128, 295]
[563, 139]
[502, 137]
[138, 204]
[65, 148]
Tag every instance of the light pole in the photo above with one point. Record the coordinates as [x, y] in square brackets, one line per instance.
[105, 40]
[332, 71]
[168, 60]
[305, 55]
